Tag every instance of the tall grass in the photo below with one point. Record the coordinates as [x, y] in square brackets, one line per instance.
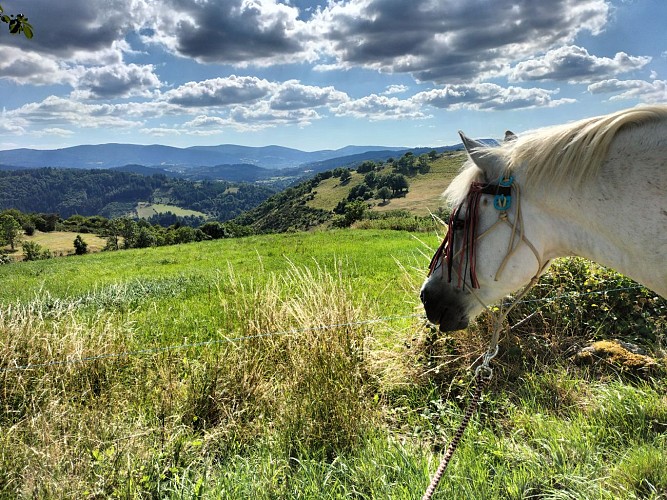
[75, 418]
[210, 381]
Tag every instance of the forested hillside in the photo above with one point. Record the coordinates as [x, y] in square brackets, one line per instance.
[114, 193]
[406, 190]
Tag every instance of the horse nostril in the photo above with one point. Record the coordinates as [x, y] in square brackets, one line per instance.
[422, 297]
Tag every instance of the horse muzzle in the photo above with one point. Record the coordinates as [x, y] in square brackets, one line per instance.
[444, 305]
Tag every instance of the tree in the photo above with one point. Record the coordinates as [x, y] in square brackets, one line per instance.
[366, 166]
[352, 211]
[17, 23]
[362, 191]
[113, 235]
[214, 230]
[345, 176]
[10, 230]
[398, 183]
[384, 193]
[423, 164]
[406, 163]
[129, 231]
[80, 246]
[371, 179]
[145, 238]
[29, 228]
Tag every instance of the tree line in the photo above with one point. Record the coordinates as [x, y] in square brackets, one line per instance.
[120, 233]
[113, 193]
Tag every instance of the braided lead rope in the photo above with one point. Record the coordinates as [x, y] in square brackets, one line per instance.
[481, 380]
[483, 375]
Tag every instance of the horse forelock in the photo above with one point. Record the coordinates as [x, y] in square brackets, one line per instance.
[572, 152]
[458, 189]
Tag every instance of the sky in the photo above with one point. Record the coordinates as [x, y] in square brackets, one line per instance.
[314, 75]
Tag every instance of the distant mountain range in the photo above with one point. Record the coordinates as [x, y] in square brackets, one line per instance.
[172, 158]
[276, 166]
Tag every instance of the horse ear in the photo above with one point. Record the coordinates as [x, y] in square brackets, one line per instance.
[510, 136]
[470, 144]
[478, 152]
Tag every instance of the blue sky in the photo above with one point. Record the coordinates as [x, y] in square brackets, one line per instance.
[321, 75]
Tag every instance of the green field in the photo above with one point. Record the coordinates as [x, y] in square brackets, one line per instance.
[297, 366]
[146, 210]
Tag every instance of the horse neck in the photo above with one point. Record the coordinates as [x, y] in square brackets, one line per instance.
[618, 218]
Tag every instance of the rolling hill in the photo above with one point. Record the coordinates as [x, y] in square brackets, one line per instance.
[113, 193]
[117, 155]
[311, 203]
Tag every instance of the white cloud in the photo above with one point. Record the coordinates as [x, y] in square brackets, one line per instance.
[395, 89]
[33, 68]
[11, 127]
[239, 32]
[292, 95]
[57, 131]
[263, 115]
[118, 80]
[378, 107]
[575, 64]
[81, 28]
[58, 111]
[488, 96]
[220, 91]
[647, 92]
[160, 131]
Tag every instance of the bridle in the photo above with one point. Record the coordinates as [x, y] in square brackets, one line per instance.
[502, 202]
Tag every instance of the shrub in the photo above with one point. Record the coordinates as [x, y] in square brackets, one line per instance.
[29, 228]
[80, 246]
[35, 251]
[596, 302]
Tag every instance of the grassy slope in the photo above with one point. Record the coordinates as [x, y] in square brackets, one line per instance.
[424, 194]
[264, 417]
[61, 242]
[145, 210]
[369, 254]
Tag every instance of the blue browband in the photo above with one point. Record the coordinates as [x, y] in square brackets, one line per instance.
[502, 201]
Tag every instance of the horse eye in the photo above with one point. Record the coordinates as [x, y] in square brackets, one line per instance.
[455, 224]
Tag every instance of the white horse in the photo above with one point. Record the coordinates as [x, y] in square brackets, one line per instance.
[596, 188]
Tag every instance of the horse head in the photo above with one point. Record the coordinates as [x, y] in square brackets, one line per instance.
[485, 254]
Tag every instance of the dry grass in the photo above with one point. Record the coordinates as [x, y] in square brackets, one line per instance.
[423, 197]
[60, 242]
[79, 423]
[146, 210]
[425, 193]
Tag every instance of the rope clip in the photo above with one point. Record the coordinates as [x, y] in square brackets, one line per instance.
[484, 370]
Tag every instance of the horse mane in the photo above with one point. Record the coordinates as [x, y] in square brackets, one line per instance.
[575, 151]
[569, 153]
[458, 189]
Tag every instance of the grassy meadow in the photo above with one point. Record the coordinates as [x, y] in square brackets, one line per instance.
[422, 198]
[298, 366]
[59, 243]
[145, 210]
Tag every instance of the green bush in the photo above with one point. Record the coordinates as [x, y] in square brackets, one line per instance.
[35, 251]
[586, 299]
